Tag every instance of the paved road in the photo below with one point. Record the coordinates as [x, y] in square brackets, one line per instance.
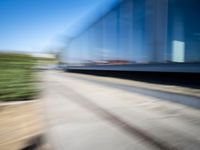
[84, 113]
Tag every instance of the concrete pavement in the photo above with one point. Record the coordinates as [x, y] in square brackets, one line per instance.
[83, 114]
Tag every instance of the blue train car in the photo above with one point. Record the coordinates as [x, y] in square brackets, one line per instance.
[140, 35]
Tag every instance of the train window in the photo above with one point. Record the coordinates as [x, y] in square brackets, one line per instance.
[184, 30]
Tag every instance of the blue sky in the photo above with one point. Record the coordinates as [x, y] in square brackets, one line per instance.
[36, 25]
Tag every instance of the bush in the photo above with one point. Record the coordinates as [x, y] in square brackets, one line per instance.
[17, 78]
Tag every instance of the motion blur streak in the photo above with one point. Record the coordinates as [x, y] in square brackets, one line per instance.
[139, 35]
[120, 75]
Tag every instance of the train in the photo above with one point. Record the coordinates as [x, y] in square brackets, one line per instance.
[138, 35]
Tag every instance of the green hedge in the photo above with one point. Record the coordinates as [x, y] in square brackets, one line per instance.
[17, 79]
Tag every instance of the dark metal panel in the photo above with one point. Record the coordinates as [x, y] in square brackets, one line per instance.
[174, 67]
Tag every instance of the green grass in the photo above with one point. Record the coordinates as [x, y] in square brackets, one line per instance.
[17, 77]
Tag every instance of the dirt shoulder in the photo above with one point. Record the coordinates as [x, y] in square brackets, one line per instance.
[20, 122]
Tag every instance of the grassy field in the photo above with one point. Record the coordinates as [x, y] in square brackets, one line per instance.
[17, 78]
